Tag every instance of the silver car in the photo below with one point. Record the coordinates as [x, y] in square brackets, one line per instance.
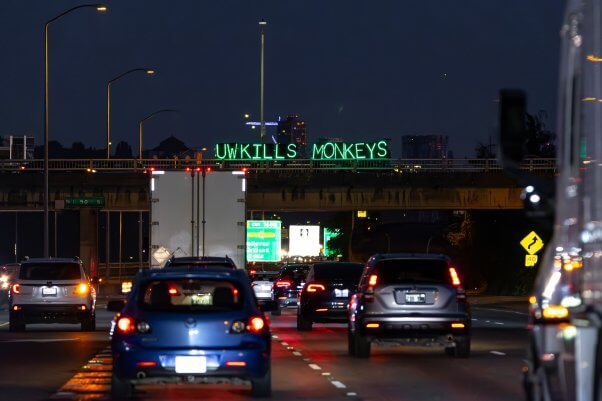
[412, 299]
[52, 291]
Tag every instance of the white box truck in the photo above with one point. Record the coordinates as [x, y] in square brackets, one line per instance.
[197, 213]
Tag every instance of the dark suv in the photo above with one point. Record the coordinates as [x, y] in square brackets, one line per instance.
[287, 284]
[326, 293]
[409, 299]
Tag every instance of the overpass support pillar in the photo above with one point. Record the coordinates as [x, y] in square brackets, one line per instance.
[88, 240]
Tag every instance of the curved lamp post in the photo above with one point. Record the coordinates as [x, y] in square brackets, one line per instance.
[148, 71]
[100, 8]
[140, 132]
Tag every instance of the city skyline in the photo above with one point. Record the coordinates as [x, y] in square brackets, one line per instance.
[356, 79]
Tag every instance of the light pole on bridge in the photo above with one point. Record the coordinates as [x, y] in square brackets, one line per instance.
[100, 8]
[140, 131]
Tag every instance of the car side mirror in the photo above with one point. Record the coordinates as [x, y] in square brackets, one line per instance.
[268, 306]
[512, 125]
[115, 305]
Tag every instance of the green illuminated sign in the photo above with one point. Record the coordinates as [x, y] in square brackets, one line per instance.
[328, 235]
[263, 240]
[255, 151]
[322, 151]
[351, 151]
[89, 201]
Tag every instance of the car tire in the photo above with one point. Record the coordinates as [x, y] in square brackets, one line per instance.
[362, 346]
[462, 348]
[16, 323]
[121, 389]
[262, 387]
[89, 323]
[303, 324]
[350, 343]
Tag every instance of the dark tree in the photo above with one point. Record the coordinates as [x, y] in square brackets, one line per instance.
[483, 151]
[540, 140]
[123, 150]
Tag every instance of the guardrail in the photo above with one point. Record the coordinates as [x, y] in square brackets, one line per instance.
[301, 165]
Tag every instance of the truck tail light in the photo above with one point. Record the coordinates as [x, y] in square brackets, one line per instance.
[15, 289]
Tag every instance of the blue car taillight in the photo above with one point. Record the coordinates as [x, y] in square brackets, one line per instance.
[127, 325]
[255, 324]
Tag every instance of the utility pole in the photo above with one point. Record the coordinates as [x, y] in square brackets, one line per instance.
[262, 25]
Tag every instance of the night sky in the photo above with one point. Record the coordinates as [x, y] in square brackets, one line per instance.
[360, 70]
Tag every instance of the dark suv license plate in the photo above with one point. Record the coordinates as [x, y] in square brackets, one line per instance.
[415, 298]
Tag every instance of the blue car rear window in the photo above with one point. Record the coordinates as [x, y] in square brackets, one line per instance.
[190, 294]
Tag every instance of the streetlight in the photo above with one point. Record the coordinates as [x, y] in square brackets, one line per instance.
[262, 25]
[140, 128]
[148, 71]
[100, 8]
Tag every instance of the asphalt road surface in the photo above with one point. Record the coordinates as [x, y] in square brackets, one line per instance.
[61, 362]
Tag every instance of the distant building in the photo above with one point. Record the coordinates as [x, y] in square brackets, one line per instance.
[424, 146]
[293, 130]
[16, 147]
[168, 148]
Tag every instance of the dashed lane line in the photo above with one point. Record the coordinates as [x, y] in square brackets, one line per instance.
[314, 366]
[3, 324]
[498, 353]
[502, 310]
[338, 384]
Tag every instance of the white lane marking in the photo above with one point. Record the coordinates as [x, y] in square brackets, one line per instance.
[338, 384]
[275, 337]
[503, 310]
[351, 394]
[306, 359]
[497, 353]
[498, 323]
[38, 340]
[297, 353]
[474, 320]
[325, 373]
[314, 366]
[487, 321]
[3, 324]
[284, 344]
[291, 348]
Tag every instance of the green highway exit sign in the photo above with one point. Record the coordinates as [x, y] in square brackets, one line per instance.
[85, 201]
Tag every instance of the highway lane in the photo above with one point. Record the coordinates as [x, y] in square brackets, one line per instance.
[312, 365]
[418, 373]
[35, 363]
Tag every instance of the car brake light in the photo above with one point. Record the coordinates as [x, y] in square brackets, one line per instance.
[15, 289]
[146, 364]
[454, 276]
[82, 289]
[315, 287]
[126, 325]
[256, 324]
[373, 280]
[283, 283]
[236, 363]
[173, 291]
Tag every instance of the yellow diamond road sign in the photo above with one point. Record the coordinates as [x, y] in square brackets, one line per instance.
[532, 243]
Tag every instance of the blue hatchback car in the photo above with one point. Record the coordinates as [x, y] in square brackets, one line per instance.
[188, 325]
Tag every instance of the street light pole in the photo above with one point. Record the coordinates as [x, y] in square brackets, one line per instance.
[262, 25]
[140, 132]
[148, 71]
[98, 7]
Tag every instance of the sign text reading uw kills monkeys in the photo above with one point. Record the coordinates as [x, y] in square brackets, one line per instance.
[320, 151]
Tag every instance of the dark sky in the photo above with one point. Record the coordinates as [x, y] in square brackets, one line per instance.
[361, 70]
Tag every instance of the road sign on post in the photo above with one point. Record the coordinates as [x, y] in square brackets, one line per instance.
[85, 201]
[532, 244]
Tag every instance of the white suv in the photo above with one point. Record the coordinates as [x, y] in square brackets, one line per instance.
[52, 291]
